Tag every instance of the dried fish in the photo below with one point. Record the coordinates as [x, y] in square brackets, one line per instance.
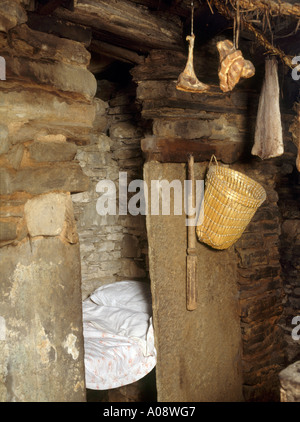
[268, 140]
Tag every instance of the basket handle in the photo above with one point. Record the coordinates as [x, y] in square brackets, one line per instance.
[213, 157]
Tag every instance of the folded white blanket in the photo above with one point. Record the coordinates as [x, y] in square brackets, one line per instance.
[118, 335]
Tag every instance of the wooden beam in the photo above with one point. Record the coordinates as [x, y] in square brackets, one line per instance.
[118, 53]
[126, 24]
[176, 150]
[61, 28]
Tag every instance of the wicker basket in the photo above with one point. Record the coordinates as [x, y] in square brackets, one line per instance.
[230, 201]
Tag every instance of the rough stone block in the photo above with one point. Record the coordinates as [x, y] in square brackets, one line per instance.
[250, 257]
[250, 240]
[290, 383]
[15, 155]
[132, 270]
[187, 129]
[8, 230]
[5, 181]
[28, 113]
[260, 307]
[48, 215]
[125, 130]
[36, 180]
[59, 75]
[52, 151]
[40, 46]
[4, 140]
[11, 14]
[130, 247]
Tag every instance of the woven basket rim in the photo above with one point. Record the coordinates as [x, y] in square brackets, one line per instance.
[256, 193]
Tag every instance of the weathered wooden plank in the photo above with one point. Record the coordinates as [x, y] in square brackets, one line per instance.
[127, 24]
[116, 52]
[175, 107]
[158, 95]
[174, 150]
[160, 64]
[52, 25]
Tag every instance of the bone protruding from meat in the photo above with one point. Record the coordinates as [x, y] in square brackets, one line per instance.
[233, 66]
[268, 141]
[187, 80]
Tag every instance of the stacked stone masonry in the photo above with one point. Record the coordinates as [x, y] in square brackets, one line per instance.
[288, 187]
[264, 294]
[46, 109]
[261, 292]
[57, 141]
[113, 247]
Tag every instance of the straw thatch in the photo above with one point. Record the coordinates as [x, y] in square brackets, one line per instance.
[245, 10]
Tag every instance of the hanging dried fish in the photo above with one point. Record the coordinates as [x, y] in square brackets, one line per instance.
[233, 66]
[268, 140]
[187, 80]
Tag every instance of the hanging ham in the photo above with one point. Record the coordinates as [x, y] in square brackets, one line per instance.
[187, 80]
[268, 140]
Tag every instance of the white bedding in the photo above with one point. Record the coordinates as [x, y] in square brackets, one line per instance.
[118, 335]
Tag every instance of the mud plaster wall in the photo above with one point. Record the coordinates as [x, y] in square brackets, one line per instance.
[198, 351]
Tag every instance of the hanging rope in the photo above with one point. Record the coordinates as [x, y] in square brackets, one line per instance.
[192, 18]
[187, 80]
[236, 25]
[261, 39]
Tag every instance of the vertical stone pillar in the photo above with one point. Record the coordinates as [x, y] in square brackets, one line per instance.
[41, 341]
[290, 383]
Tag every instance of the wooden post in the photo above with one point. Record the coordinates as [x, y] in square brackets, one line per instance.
[191, 259]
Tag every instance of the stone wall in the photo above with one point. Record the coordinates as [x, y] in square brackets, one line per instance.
[46, 109]
[224, 124]
[288, 187]
[261, 293]
[113, 247]
[57, 142]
